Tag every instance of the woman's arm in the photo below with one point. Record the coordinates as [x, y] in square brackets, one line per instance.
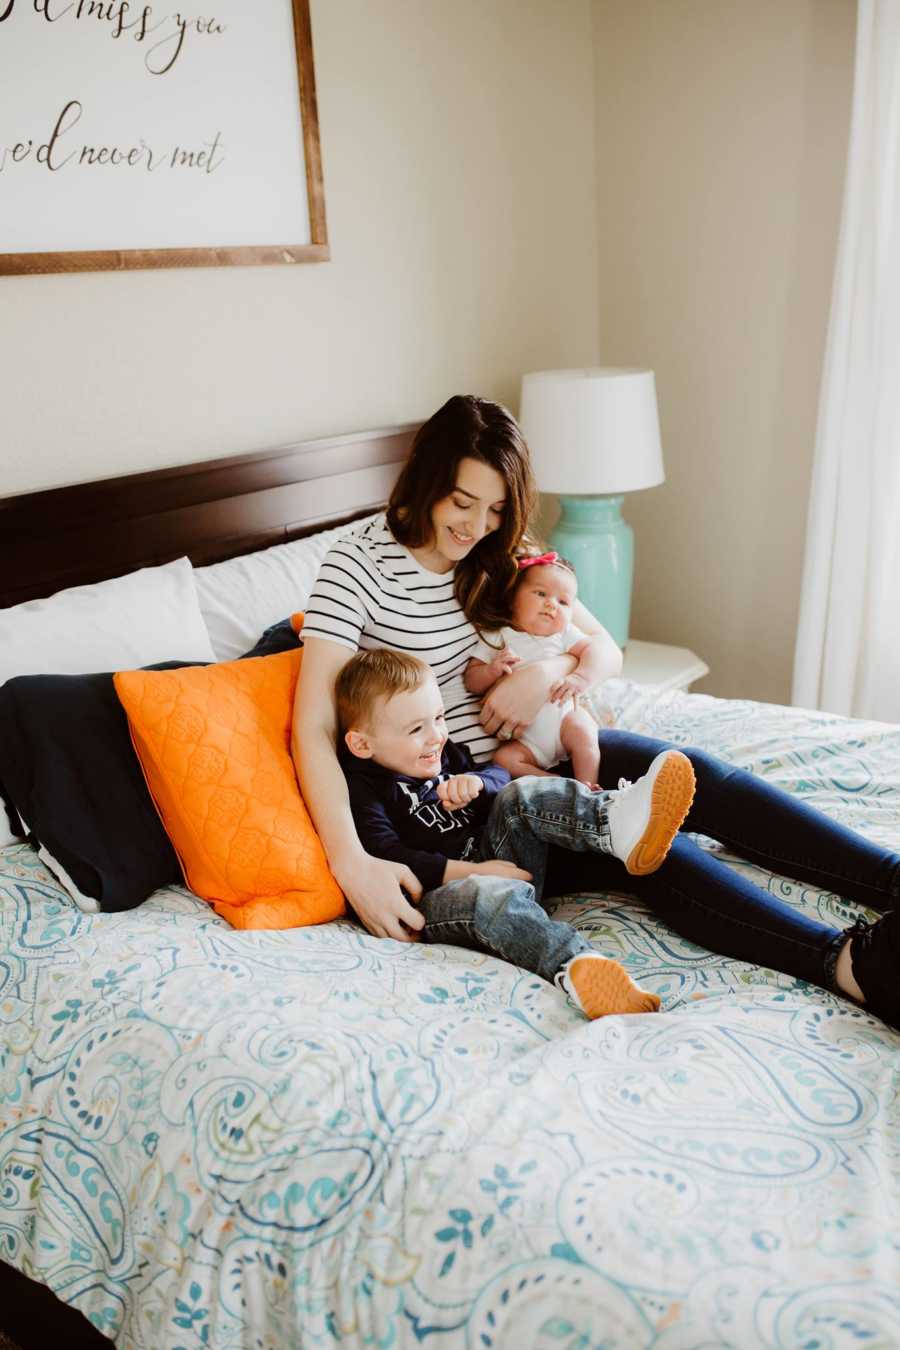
[608, 652]
[372, 885]
[515, 701]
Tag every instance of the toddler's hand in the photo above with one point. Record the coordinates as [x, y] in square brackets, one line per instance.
[570, 686]
[459, 790]
[495, 868]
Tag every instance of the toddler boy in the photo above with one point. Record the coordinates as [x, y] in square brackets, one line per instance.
[478, 842]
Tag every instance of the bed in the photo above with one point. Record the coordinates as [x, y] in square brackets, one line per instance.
[214, 1138]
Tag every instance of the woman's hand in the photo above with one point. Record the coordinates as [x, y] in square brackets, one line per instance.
[373, 887]
[515, 701]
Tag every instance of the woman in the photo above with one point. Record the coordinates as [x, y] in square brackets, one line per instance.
[423, 578]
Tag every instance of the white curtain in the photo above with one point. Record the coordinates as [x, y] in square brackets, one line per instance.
[847, 657]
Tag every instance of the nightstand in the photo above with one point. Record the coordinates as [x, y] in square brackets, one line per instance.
[664, 667]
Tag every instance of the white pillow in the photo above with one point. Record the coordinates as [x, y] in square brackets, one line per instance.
[148, 616]
[240, 598]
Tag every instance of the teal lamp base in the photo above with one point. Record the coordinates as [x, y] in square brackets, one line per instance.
[600, 546]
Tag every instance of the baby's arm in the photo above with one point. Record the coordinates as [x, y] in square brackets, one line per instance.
[480, 676]
[587, 673]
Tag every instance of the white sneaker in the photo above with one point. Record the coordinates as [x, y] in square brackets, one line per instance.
[644, 817]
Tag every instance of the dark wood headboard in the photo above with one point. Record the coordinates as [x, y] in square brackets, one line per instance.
[212, 510]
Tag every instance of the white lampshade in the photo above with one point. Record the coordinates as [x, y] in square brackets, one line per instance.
[592, 431]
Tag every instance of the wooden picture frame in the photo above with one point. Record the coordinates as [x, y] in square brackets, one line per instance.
[25, 152]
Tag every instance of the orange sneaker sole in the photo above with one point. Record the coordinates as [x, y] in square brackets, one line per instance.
[604, 987]
[670, 802]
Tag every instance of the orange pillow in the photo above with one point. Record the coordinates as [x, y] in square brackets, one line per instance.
[214, 745]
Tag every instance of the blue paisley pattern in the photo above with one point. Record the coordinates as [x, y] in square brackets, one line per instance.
[313, 1138]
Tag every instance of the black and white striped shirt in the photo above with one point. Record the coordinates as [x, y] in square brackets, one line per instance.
[371, 592]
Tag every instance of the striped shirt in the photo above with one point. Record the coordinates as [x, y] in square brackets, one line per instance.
[371, 592]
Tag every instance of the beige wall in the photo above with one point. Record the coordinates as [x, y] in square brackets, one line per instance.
[513, 184]
[461, 195]
[722, 129]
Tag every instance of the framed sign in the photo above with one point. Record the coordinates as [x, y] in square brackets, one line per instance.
[133, 135]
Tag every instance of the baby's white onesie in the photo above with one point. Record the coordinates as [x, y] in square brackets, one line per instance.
[542, 736]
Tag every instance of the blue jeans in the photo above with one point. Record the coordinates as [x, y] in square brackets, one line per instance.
[709, 902]
[506, 917]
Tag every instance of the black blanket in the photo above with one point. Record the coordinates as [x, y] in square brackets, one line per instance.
[68, 770]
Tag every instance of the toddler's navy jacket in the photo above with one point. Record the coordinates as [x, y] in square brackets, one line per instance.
[401, 818]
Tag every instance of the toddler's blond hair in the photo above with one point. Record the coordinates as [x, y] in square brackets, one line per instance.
[371, 675]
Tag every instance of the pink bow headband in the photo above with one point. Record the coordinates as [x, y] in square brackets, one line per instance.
[537, 560]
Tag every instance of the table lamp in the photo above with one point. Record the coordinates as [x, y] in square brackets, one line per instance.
[593, 436]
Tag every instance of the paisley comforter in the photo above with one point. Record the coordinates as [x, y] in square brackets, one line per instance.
[211, 1138]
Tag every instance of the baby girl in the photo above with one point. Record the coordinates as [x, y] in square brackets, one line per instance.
[541, 626]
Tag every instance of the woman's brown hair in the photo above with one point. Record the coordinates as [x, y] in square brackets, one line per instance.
[467, 427]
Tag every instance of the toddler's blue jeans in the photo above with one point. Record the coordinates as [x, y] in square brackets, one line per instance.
[503, 916]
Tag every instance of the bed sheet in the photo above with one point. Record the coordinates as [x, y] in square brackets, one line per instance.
[311, 1138]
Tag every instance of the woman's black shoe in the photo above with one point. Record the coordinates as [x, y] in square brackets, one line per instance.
[875, 957]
